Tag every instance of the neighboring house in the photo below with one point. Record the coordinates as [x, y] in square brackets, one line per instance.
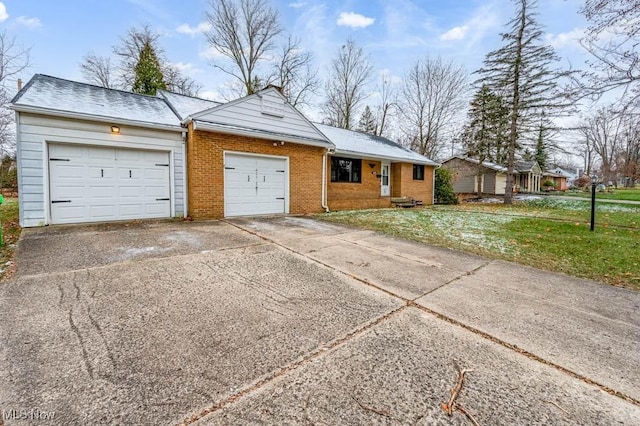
[559, 177]
[466, 171]
[87, 154]
[529, 177]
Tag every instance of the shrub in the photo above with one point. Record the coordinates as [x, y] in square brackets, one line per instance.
[444, 187]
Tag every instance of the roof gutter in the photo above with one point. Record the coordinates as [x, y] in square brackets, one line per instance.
[213, 127]
[381, 157]
[98, 118]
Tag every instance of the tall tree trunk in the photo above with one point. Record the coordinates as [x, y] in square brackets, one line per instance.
[513, 132]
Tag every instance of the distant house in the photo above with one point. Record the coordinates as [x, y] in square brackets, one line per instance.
[529, 176]
[466, 173]
[559, 177]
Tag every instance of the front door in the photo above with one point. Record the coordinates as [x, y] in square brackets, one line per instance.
[384, 181]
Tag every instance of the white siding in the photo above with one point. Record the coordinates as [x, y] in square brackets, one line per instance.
[258, 112]
[35, 131]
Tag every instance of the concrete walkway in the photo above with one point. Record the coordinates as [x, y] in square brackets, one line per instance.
[598, 200]
[295, 321]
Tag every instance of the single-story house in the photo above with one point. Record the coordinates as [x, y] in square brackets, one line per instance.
[466, 172]
[87, 154]
[529, 176]
[561, 178]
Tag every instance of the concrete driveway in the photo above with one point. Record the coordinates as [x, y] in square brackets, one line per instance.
[295, 321]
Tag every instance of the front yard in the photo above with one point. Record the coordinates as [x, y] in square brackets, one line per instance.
[548, 234]
[629, 194]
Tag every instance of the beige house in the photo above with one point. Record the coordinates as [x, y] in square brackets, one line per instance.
[529, 177]
[469, 176]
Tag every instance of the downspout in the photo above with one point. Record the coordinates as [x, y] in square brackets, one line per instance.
[323, 203]
[185, 194]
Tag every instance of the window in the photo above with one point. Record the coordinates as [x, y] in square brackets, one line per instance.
[418, 172]
[346, 170]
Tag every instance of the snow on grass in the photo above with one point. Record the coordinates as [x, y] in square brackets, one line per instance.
[476, 230]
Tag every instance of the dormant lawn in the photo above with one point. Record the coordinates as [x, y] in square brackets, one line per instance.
[544, 233]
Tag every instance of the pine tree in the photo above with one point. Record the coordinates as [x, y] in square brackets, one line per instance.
[486, 132]
[541, 155]
[148, 74]
[520, 70]
[367, 123]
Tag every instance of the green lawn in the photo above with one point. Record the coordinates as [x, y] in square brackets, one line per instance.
[548, 234]
[10, 232]
[616, 194]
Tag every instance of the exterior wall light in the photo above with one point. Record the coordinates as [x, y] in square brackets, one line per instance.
[115, 129]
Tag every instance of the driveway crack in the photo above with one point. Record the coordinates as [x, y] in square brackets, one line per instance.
[466, 274]
[319, 351]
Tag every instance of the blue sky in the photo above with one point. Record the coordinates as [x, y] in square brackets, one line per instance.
[395, 32]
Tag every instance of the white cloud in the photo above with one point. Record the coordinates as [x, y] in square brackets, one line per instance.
[212, 95]
[28, 22]
[192, 31]
[455, 33]
[210, 53]
[568, 39]
[187, 68]
[298, 4]
[3, 12]
[354, 20]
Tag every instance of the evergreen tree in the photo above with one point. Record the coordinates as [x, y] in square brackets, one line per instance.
[485, 134]
[541, 155]
[520, 70]
[367, 123]
[148, 74]
[443, 187]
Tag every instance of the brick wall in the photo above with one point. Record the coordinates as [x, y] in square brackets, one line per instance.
[206, 171]
[405, 186]
[353, 196]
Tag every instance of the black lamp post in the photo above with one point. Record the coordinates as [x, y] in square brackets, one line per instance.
[594, 180]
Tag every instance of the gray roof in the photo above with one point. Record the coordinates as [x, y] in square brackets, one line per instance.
[525, 166]
[349, 142]
[184, 106]
[487, 164]
[70, 97]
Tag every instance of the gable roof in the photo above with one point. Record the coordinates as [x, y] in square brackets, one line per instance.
[56, 96]
[184, 106]
[561, 172]
[265, 114]
[526, 166]
[349, 142]
[486, 164]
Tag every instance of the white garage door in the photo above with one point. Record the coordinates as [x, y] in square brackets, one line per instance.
[254, 185]
[91, 184]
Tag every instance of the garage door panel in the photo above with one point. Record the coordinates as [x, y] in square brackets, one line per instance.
[104, 183]
[254, 185]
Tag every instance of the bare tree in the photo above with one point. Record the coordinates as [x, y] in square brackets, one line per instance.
[177, 82]
[98, 70]
[612, 38]
[351, 71]
[14, 59]
[387, 106]
[294, 73]
[431, 96]
[243, 31]
[604, 132]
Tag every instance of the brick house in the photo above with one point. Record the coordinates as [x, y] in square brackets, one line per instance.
[88, 154]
